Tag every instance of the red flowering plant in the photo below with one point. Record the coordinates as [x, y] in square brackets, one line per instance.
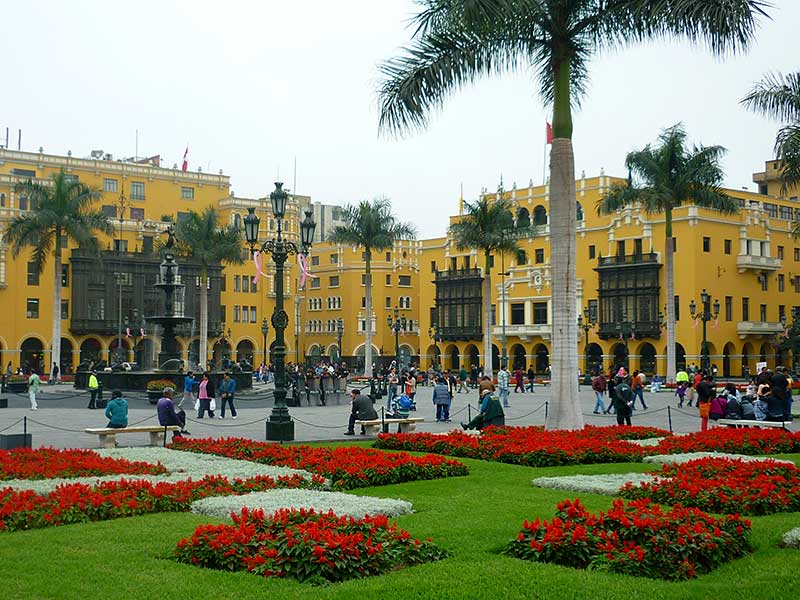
[50, 463]
[724, 485]
[732, 440]
[81, 503]
[346, 467]
[308, 546]
[532, 446]
[637, 538]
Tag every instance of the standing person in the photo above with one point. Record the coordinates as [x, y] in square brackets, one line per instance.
[599, 388]
[53, 375]
[227, 390]
[441, 399]
[473, 376]
[704, 394]
[462, 379]
[623, 399]
[205, 395]
[680, 392]
[393, 381]
[691, 393]
[117, 411]
[9, 369]
[411, 386]
[167, 415]
[188, 389]
[503, 377]
[33, 388]
[638, 389]
[682, 376]
[520, 377]
[94, 390]
[531, 377]
[610, 385]
[361, 410]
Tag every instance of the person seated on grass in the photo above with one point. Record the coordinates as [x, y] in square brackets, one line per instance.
[167, 415]
[117, 411]
[491, 413]
[362, 410]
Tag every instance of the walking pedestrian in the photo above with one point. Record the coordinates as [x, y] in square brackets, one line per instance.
[53, 375]
[680, 392]
[205, 395]
[188, 389]
[33, 388]
[531, 377]
[227, 390]
[442, 399]
[503, 378]
[599, 388]
[519, 376]
[638, 389]
[462, 379]
[94, 390]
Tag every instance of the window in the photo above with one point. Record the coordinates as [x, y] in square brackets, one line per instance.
[315, 283]
[388, 257]
[109, 185]
[245, 283]
[222, 313]
[388, 302]
[137, 214]
[30, 173]
[388, 279]
[762, 278]
[453, 263]
[677, 308]
[32, 308]
[727, 246]
[70, 179]
[518, 313]
[780, 252]
[237, 283]
[2, 200]
[363, 302]
[404, 280]
[745, 309]
[540, 313]
[797, 254]
[706, 244]
[433, 266]
[637, 247]
[64, 310]
[781, 312]
[33, 274]
[137, 190]
[763, 313]
[538, 256]
[493, 315]
[181, 217]
[674, 244]
[315, 261]
[522, 257]
[592, 252]
[781, 283]
[96, 309]
[796, 283]
[785, 212]
[253, 286]
[120, 245]
[363, 279]
[333, 281]
[729, 308]
[771, 209]
[64, 275]
[621, 248]
[364, 258]
[491, 262]
[110, 211]
[125, 279]
[187, 193]
[252, 314]
[237, 313]
[334, 259]
[22, 202]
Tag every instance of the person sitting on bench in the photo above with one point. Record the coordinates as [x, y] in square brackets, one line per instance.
[491, 413]
[362, 411]
[167, 415]
[117, 411]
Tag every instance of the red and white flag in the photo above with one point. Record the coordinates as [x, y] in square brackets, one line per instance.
[185, 159]
[549, 133]
[127, 332]
[142, 332]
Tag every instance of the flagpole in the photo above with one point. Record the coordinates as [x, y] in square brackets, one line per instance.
[544, 160]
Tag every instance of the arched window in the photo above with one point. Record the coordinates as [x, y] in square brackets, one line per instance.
[523, 218]
[540, 215]
[237, 221]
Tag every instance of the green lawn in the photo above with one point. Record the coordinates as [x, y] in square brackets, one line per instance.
[471, 516]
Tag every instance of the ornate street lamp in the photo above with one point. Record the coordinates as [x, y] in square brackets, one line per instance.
[434, 335]
[397, 325]
[339, 334]
[264, 332]
[705, 315]
[587, 323]
[280, 426]
[626, 329]
[122, 202]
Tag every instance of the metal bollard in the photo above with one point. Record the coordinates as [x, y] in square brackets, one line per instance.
[546, 408]
[384, 425]
[469, 412]
[669, 416]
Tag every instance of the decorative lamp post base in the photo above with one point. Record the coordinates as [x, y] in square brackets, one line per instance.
[280, 430]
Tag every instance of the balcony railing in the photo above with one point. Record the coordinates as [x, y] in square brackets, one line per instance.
[757, 263]
[628, 259]
[525, 332]
[745, 328]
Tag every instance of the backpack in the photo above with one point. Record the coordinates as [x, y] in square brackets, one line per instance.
[405, 402]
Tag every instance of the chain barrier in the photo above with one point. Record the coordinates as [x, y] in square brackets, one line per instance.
[319, 426]
[224, 426]
[55, 427]
[683, 412]
[527, 415]
[17, 422]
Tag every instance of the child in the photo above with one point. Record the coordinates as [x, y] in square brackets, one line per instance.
[680, 392]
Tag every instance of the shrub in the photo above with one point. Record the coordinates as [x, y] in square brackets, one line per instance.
[308, 546]
[158, 385]
[49, 463]
[732, 441]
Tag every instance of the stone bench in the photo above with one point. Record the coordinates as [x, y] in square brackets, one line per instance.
[108, 434]
[407, 425]
[736, 423]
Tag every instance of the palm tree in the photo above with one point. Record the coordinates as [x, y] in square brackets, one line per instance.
[60, 211]
[198, 237]
[458, 41]
[778, 97]
[664, 178]
[486, 226]
[372, 226]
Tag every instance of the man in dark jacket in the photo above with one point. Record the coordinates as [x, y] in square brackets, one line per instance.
[491, 413]
[362, 410]
[623, 400]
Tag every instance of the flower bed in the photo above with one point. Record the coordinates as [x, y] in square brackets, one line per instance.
[48, 463]
[724, 485]
[732, 440]
[531, 446]
[81, 503]
[346, 467]
[637, 538]
[305, 545]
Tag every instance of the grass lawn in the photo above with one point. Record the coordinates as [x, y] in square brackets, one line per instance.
[472, 517]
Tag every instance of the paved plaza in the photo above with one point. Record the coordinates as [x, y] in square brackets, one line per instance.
[62, 415]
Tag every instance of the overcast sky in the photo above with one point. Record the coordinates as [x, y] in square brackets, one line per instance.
[252, 85]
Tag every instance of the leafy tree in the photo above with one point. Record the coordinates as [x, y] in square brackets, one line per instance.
[200, 238]
[372, 226]
[458, 41]
[663, 178]
[61, 210]
[486, 226]
[778, 97]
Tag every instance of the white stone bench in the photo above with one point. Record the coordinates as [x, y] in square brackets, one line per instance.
[407, 425]
[108, 434]
[736, 423]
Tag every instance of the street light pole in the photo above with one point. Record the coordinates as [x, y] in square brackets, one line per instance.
[705, 316]
[339, 333]
[434, 335]
[504, 359]
[586, 323]
[121, 204]
[396, 325]
[280, 426]
[264, 331]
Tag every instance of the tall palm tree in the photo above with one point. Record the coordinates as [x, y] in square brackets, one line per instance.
[458, 41]
[200, 238]
[778, 97]
[61, 210]
[663, 178]
[486, 226]
[372, 226]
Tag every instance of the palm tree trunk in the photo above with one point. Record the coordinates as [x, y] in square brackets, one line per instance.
[368, 309]
[202, 352]
[669, 276]
[55, 355]
[565, 412]
[487, 314]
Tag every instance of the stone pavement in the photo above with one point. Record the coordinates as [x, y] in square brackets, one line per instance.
[62, 415]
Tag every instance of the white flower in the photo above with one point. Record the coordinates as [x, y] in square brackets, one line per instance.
[684, 458]
[608, 485]
[791, 539]
[180, 466]
[646, 442]
[274, 500]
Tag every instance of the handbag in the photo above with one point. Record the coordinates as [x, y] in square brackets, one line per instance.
[197, 404]
[705, 409]
[213, 405]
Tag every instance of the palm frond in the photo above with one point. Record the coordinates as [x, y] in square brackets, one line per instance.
[776, 97]
[787, 151]
[371, 225]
